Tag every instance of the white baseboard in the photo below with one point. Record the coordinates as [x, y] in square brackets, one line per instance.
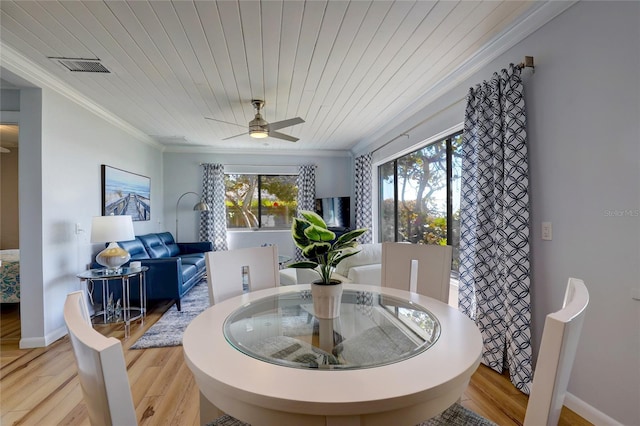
[32, 342]
[588, 412]
[41, 342]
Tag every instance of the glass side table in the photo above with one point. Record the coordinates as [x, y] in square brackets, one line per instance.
[126, 313]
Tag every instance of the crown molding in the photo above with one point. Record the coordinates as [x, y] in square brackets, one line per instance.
[24, 68]
[199, 149]
[543, 13]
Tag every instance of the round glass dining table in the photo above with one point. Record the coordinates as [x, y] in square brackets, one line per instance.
[372, 330]
[391, 357]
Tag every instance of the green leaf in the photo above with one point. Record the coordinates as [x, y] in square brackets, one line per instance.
[345, 239]
[343, 256]
[317, 234]
[297, 232]
[313, 218]
[316, 250]
[303, 265]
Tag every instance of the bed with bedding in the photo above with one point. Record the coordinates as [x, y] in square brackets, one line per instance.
[10, 276]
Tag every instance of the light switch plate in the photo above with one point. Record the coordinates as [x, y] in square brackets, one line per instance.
[547, 231]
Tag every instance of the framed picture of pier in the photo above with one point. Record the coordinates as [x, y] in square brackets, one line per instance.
[125, 193]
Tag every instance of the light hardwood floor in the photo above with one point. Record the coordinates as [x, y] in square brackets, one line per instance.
[40, 386]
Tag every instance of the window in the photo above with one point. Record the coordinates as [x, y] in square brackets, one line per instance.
[260, 201]
[419, 196]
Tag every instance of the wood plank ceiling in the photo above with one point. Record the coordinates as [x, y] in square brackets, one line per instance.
[346, 67]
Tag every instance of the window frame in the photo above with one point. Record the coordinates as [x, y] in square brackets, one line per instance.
[259, 199]
[447, 136]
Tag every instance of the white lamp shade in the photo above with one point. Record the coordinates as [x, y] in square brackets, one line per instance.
[112, 228]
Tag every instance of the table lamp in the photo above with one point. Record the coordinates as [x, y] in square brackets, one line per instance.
[111, 229]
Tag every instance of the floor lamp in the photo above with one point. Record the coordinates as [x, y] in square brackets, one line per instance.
[200, 206]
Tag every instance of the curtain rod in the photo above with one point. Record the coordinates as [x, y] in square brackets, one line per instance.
[527, 63]
[389, 141]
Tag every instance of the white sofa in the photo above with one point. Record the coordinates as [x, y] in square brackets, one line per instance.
[363, 268]
[292, 276]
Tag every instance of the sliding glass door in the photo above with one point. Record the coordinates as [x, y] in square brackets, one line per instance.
[419, 197]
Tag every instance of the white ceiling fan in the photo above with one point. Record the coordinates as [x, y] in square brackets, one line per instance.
[260, 128]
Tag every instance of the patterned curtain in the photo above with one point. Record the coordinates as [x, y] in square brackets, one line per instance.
[494, 224]
[306, 193]
[213, 223]
[364, 215]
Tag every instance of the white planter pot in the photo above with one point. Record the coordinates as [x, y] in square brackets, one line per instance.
[326, 300]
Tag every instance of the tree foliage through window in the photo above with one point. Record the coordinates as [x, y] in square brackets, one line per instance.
[260, 201]
[419, 195]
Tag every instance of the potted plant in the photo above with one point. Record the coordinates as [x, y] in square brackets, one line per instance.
[323, 252]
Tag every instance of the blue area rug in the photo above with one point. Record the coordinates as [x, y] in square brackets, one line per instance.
[168, 330]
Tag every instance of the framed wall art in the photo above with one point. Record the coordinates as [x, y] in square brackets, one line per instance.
[125, 193]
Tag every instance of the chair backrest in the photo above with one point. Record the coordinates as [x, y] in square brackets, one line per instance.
[226, 269]
[420, 268]
[555, 358]
[101, 367]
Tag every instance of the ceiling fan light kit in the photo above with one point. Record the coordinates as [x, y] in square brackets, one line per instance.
[258, 127]
[258, 134]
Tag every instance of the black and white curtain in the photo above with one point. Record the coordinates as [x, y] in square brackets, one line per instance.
[494, 224]
[213, 223]
[364, 214]
[306, 193]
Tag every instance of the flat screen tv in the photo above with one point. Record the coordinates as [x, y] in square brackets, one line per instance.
[336, 211]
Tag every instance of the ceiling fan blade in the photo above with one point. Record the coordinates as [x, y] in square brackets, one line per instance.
[282, 136]
[226, 122]
[235, 136]
[285, 123]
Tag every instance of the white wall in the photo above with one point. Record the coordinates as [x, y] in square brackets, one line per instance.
[182, 173]
[585, 153]
[32, 310]
[62, 148]
[583, 106]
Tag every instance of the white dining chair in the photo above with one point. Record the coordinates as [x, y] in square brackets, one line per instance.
[102, 370]
[419, 268]
[227, 270]
[101, 367]
[555, 359]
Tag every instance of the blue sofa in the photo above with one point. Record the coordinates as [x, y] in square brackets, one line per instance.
[174, 268]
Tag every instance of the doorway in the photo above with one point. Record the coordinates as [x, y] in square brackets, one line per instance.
[9, 231]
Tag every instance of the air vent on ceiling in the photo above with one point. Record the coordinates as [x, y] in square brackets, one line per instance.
[81, 64]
